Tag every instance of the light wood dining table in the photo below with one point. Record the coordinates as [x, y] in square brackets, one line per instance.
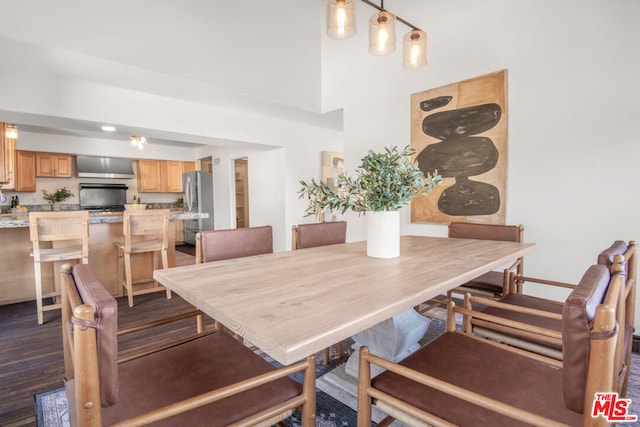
[294, 304]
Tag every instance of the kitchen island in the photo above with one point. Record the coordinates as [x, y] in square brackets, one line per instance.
[16, 265]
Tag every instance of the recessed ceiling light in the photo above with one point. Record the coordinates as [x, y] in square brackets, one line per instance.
[108, 128]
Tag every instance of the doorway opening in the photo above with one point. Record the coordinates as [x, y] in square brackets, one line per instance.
[241, 167]
[205, 164]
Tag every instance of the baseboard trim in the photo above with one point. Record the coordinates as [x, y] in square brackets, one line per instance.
[635, 345]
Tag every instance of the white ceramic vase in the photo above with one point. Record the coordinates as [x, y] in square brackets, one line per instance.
[383, 234]
[55, 206]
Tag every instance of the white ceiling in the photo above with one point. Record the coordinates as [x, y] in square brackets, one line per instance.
[251, 55]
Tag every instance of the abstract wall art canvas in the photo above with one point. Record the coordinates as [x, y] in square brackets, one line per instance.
[332, 167]
[460, 131]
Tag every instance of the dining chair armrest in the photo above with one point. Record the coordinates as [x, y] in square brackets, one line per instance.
[516, 283]
[136, 327]
[505, 306]
[473, 318]
[138, 352]
[367, 392]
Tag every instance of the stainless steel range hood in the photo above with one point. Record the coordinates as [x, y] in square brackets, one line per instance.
[104, 167]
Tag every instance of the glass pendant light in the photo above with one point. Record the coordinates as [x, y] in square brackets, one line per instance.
[138, 142]
[414, 50]
[382, 33]
[341, 18]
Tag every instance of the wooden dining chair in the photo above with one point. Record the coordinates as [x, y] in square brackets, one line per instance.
[56, 236]
[204, 379]
[145, 232]
[461, 379]
[493, 284]
[546, 313]
[320, 234]
[218, 245]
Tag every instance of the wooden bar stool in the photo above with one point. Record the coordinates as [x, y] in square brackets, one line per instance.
[144, 232]
[56, 236]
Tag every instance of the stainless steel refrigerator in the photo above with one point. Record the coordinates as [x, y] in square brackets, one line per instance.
[198, 197]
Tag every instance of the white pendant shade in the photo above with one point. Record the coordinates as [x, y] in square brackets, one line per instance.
[414, 49]
[382, 33]
[341, 18]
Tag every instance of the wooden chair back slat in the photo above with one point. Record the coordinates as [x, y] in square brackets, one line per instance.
[149, 224]
[57, 227]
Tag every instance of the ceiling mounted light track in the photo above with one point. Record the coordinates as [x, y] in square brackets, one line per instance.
[382, 31]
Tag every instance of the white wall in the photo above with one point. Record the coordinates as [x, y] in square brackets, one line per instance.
[266, 50]
[274, 176]
[573, 107]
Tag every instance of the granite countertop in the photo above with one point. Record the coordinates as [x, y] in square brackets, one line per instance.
[22, 219]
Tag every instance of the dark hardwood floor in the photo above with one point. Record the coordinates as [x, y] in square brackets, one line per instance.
[31, 359]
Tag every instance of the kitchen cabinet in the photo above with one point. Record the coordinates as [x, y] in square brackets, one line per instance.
[7, 159]
[188, 166]
[149, 172]
[171, 177]
[50, 165]
[25, 173]
[160, 176]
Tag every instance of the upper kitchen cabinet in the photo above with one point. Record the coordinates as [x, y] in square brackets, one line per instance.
[7, 159]
[149, 176]
[49, 165]
[172, 173]
[188, 166]
[160, 176]
[25, 171]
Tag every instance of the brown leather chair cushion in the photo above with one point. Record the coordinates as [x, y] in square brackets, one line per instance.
[465, 230]
[201, 365]
[485, 369]
[579, 311]
[320, 234]
[106, 310]
[491, 281]
[236, 243]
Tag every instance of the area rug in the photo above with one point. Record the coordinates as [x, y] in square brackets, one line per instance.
[51, 409]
